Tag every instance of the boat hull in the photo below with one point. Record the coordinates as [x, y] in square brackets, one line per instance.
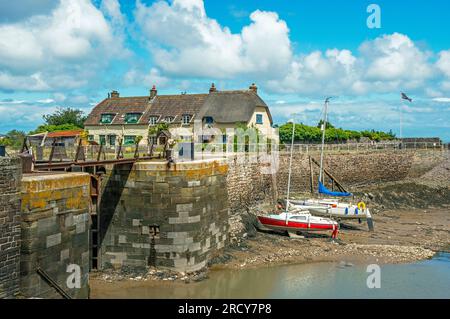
[334, 210]
[293, 226]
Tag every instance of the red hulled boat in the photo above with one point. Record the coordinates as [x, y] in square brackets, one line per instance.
[304, 221]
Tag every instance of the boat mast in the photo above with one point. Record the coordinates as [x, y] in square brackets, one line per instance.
[290, 163]
[324, 127]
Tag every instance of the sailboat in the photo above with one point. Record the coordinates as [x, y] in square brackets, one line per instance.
[331, 207]
[294, 220]
[299, 221]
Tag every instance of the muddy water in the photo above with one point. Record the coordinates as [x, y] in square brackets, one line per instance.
[425, 279]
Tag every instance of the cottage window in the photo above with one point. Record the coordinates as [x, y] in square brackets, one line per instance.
[186, 119]
[90, 137]
[153, 120]
[169, 119]
[129, 140]
[152, 140]
[208, 120]
[107, 118]
[112, 140]
[259, 119]
[132, 118]
[102, 140]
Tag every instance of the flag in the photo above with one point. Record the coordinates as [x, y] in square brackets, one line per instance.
[405, 97]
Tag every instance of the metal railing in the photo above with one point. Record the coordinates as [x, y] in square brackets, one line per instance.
[306, 148]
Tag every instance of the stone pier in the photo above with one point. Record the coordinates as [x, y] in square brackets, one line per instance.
[174, 218]
[10, 176]
[55, 233]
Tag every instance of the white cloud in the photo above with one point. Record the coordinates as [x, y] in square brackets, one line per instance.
[385, 64]
[185, 42]
[61, 49]
[153, 77]
[443, 64]
[395, 57]
[442, 99]
[112, 9]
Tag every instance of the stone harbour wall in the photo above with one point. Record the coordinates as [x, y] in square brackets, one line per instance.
[10, 176]
[350, 168]
[174, 218]
[247, 185]
[55, 232]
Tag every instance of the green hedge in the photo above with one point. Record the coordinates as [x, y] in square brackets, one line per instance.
[312, 134]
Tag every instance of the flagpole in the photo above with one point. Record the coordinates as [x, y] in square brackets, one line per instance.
[401, 120]
[323, 138]
[403, 96]
[290, 163]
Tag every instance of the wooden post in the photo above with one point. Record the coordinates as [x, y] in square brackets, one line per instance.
[339, 185]
[52, 151]
[151, 150]
[77, 153]
[311, 175]
[24, 145]
[99, 152]
[136, 151]
[120, 148]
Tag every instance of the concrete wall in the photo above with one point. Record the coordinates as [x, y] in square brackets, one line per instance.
[10, 175]
[188, 202]
[55, 232]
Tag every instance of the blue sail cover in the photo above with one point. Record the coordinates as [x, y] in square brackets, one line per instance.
[324, 190]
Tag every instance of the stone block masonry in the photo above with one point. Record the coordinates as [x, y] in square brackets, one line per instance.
[187, 205]
[350, 168]
[10, 176]
[248, 186]
[55, 232]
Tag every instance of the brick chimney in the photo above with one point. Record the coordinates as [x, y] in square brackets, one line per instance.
[253, 88]
[153, 92]
[212, 88]
[115, 94]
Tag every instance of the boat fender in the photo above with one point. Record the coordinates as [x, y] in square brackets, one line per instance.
[362, 205]
[346, 210]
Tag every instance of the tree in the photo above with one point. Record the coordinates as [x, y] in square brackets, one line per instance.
[14, 139]
[66, 116]
[329, 125]
[54, 128]
[312, 134]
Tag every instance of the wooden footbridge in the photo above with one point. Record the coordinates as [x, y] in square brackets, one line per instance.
[79, 162]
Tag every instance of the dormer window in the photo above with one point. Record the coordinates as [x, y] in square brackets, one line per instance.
[208, 120]
[107, 118]
[132, 118]
[259, 119]
[186, 119]
[169, 119]
[153, 120]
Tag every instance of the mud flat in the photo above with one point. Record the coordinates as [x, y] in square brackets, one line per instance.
[399, 237]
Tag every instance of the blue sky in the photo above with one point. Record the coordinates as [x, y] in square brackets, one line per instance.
[72, 53]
